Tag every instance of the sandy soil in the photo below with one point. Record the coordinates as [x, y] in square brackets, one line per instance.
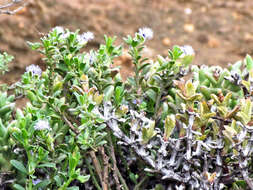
[220, 31]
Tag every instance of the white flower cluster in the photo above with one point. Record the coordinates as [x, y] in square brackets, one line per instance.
[42, 125]
[58, 29]
[85, 37]
[187, 50]
[146, 33]
[34, 69]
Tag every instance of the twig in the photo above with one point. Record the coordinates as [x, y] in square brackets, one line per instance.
[92, 175]
[105, 158]
[9, 12]
[70, 124]
[114, 164]
[116, 173]
[10, 4]
[138, 186]
[98, 169]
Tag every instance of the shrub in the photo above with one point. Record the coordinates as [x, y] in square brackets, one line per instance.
[84, 127]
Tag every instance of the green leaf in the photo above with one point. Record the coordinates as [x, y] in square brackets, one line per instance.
[211, 79]
[249, 62]
[3, 129]
[34, 46]
[42, 184]
[48, 165]
[58, 180]
[241, 184]
[187, 60]
[32, 97]
[151, 94]
[19, 165]
[73, 188]
[108, 92]
[119, 94]
[83, 178]
[18, 187]
[236, 67]
[7, 108]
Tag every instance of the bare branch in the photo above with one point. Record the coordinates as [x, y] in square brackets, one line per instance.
[4, 9]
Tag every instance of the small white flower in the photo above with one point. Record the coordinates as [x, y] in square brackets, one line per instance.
[34, 69]
[42, 125]
[187, 11]
[146, 33]
[65, 35]
[187, 50]
[85, 37]
[58, 29]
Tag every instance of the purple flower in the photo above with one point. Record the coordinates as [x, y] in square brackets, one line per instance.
[34, 69]
[187, 50]
[42, 125]
[85, 37]
[36, 181]
[146, 33]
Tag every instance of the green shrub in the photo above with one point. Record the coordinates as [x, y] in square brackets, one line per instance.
[86, 128]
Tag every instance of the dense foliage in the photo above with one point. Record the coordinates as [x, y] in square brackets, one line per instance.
[85, 128]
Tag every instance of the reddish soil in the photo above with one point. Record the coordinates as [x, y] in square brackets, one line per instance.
[220, 31]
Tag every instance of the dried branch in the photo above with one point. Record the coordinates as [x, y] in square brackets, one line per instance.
[181, 160]
[105, 173]
[115, 175]
[4, 9]
[70, 124]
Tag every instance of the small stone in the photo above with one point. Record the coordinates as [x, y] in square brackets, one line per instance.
[189, 28]
[213, 42]
[203, 9]
[169, 20]
[202, 38]
[166, 41]
[248, 37]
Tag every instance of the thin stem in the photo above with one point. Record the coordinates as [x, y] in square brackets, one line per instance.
[105, 158]
[95, 182]
[116, 173]
[157, 103]
[138, 186]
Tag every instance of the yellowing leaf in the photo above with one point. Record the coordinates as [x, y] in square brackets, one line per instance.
[227, 98]
[216, 99]
[170, 123]
[246, 84]
[148, 132]
[98, 98]
[84, 78]
[190, 89]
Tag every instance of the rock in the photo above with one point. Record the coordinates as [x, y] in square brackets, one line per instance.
[166, 41]
[213, 42]
[189, 28]
[202, 38]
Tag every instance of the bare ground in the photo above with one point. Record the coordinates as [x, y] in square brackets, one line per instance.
[220, 31]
